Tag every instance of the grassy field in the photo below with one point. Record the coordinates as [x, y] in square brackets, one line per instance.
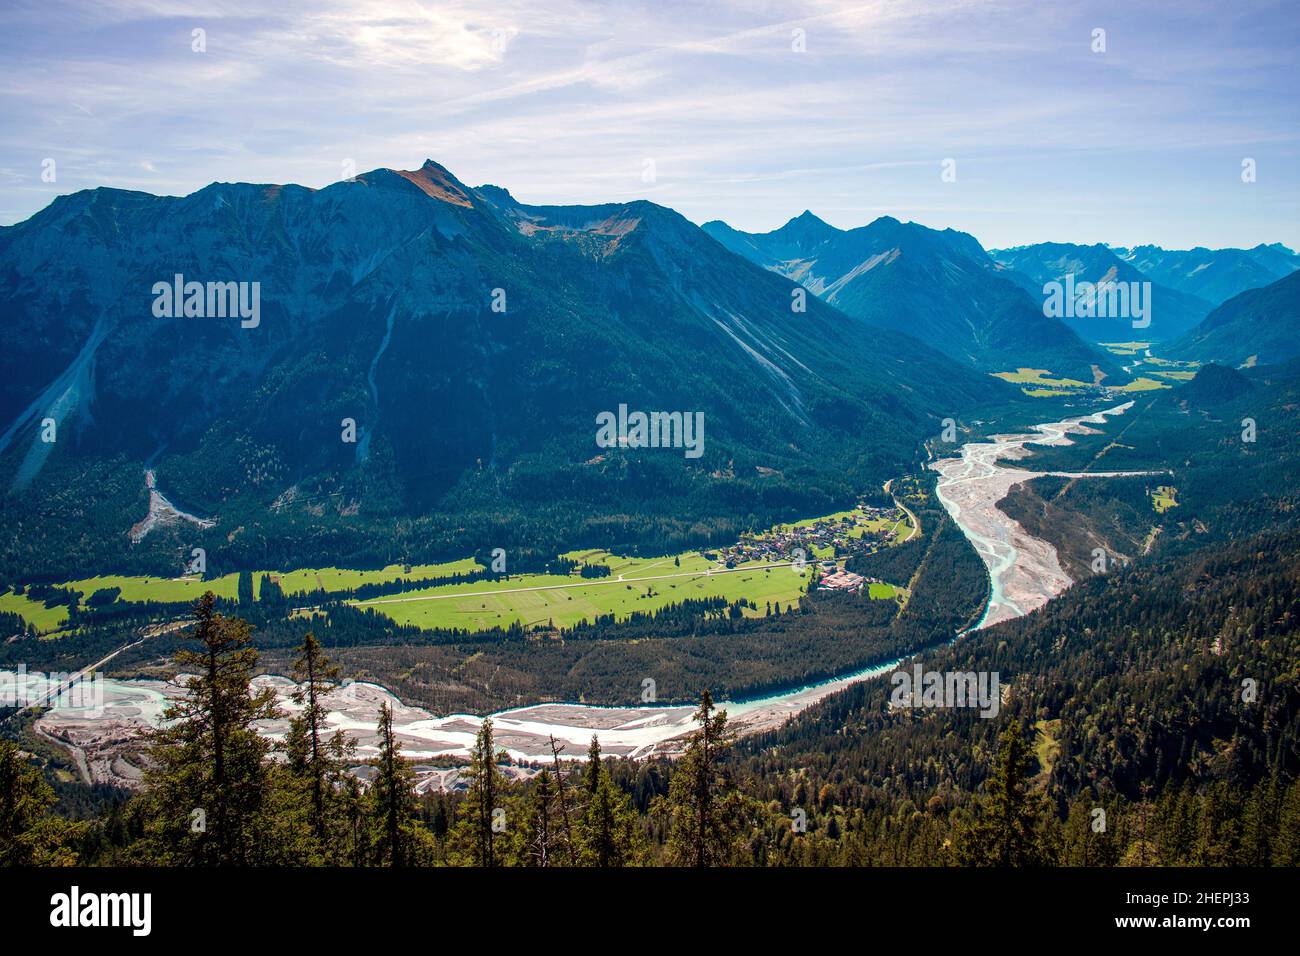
[903, 527]
[634, 584]
[1125, 348]
[548, 599]
[342, 579]
[1164, 498]
[158, 589]
[291, 582]
[1151, 373]
[137, 589]
[46, 619]
[1150, 368]
[1038, 377]
[1143, 384]
[633, 568]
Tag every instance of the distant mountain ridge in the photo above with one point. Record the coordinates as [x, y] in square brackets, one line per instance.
[1171, 311]
[940, 286]
[1214, 275]
[1257, 327]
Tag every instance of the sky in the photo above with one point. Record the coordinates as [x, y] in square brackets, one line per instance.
[747, 112]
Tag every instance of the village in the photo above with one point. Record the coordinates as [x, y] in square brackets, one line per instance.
[823, 542]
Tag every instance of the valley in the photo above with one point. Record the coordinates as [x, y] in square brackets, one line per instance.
[1023, 571]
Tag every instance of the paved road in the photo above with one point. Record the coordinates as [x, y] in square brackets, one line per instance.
[916, 525]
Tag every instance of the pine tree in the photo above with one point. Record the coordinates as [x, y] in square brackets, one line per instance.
[562, 799]
[392, 798]
[313, 758]
[269, 592]
[1263, 809]
[474, 832]
[244, 588]
[1004, 833]
[540, 824]
[705, 809]
[609, 832]
[29, 834]
[1219, 827]
[1286, 843]
[358, 848]
[209, 781]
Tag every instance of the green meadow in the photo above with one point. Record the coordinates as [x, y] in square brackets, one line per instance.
[302, 581]
[46, 619]
[634, 584]
[1143, 384]
[137, 589]
[1164, 498]
[562, 601]
[1150, 373]
[1040, 377]
[875, 526]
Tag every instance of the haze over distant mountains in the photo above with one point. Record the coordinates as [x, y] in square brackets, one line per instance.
[986, 307]
[1171, 312]
[1257, 327]
[1185, 284]
[1215, 275]
[940, 286]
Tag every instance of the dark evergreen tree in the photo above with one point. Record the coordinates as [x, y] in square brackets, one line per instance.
[609, 833]
[475, 833]
[706, 810]
[392, 798]
[245, 587]
[206, 790]
[30, 835]
[313, 757]
[1005, 829]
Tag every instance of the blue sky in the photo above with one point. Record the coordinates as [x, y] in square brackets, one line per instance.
[564, 102]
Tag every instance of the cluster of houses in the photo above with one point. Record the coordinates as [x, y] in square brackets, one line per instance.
[838, 536]
[841, 580]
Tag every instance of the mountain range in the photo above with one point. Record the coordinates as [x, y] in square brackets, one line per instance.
[421, 365]
[1186, 284]
[470, 339]
[940, 286]
[1215, 275]
[1171, 311]
[1256, 327]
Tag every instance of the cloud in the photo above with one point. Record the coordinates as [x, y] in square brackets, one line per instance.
[561, 101]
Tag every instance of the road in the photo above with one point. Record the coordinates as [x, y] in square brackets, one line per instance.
[79, 755]
[916, 525]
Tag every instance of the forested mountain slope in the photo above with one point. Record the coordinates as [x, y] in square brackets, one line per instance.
[470, 341]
